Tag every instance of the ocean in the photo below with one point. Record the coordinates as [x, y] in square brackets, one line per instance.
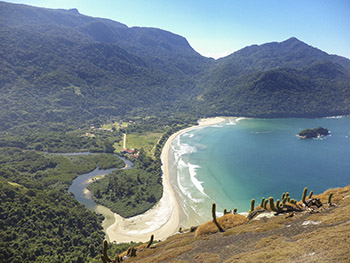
[243, 158]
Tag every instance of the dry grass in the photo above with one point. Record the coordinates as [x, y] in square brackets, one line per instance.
[227, 221]
[275, 222]
[277, 239]
[166, 250]
[267, 241]
[338, 194]
[166, 254]
[322, 245]
[206, 258]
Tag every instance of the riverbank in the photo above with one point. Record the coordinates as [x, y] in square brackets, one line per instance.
[163, 219]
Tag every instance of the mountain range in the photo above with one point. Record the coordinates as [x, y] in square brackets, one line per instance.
[59, 66]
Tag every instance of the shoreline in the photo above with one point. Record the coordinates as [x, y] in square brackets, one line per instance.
[163, 220]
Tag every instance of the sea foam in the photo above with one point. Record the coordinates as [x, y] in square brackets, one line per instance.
[198, 184]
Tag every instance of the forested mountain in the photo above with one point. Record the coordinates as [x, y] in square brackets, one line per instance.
[59, 66]
[287, 79]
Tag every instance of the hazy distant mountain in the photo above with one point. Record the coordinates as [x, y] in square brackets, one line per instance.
[61, 66]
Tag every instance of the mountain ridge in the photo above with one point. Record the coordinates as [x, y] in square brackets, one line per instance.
[60, 65]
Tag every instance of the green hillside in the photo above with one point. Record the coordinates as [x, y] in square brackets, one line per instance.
[287, 79]
[61, 66]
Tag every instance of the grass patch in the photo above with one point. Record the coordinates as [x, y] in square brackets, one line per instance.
[147, 141]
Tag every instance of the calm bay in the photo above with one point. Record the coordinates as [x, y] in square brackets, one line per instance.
[241, 159]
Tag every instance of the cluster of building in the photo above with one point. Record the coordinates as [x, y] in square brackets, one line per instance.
[132, 153]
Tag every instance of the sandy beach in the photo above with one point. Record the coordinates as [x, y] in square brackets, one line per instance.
[163, 219]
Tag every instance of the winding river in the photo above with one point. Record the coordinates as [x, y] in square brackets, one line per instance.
[83, 195]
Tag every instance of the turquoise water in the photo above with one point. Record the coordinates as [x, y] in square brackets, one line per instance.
[236, 161]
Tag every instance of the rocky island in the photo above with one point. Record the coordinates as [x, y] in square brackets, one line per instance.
[313, 133]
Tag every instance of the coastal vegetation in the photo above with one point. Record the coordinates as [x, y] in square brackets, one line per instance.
[130, 192]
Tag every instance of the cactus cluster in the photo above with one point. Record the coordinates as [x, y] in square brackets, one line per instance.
[131, 252]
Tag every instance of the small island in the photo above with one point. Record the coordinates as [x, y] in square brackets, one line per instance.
[313, 133]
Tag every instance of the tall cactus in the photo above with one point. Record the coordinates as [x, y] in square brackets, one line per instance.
[310, 195]
[272, 204]
[252, 204]
[262, 202]
[213, 213]
[330, 198]
[278, 204]
[304, 195]
[150, 242]
[104, 255]
[265, 203]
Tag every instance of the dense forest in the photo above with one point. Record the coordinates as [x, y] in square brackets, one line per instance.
[40, 221]
[64, 75]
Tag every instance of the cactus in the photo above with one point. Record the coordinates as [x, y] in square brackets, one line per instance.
[287, 197]
[103, 259]
[262, 202]
[283, 196]
[310, 195]
[225, 211]
[252, 203]
[284, 200]
[150, 242]
[278, 204]
[104, 256]
[132, 252]
[265, 203]
[330, 198]
[304, 195]
[235, 211]
[272, 204]
[213, 213]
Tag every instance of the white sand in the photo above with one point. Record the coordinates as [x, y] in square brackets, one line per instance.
[163, 220]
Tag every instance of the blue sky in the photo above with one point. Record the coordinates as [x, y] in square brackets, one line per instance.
[216, 28]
